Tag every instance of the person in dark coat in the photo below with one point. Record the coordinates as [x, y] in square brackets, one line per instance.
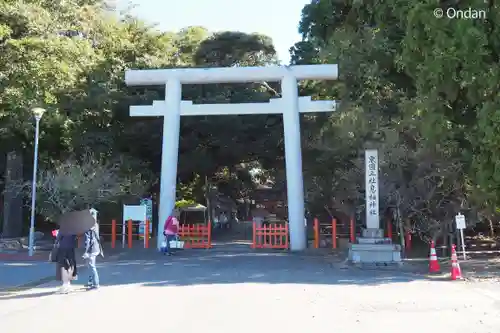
[66, 269]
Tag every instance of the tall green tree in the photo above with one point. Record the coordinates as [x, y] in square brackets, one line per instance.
[70, 58]
[417, 88]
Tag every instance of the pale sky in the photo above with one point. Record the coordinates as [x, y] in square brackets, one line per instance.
[277, 19]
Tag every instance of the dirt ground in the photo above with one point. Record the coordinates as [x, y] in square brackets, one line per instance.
[232, 289]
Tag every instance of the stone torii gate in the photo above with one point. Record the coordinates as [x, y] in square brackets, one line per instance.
[290, 105]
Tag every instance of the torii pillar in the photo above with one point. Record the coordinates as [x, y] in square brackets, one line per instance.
[290, 105]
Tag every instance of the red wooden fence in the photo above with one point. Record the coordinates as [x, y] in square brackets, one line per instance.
[196, 236]
[273, 236]
[318, 234]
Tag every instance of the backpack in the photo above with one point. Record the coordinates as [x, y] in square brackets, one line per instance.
[94, 238]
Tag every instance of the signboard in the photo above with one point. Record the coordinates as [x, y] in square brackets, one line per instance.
[148, 202]
[371, 189]
[460, 221]
[461, 225]
[134, 213]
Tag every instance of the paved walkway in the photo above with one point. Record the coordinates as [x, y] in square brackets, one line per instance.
[17, 273]
[247, 292]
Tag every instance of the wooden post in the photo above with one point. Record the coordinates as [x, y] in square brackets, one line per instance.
[352, 230]
[265, 231]
[389, 228]
[209, 234]
[408, 241]
[146, 234]
[113, 234]
[334, 233]
[316, 233]
[130, 232]
[254, 238]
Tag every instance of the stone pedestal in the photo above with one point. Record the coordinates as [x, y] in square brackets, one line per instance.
[373, 248]
[372, 233]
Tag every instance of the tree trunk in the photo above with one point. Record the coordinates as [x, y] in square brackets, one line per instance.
[399, 222]
[13, 201]
[207, 199]
[492, 228]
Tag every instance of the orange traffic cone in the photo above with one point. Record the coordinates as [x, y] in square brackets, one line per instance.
[456, 273]
[433, 260]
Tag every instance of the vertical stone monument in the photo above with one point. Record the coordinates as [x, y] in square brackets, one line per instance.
[372, 246]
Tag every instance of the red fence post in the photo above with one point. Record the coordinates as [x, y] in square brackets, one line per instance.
[265, 230]
[130, 234]
[389, 228]
[194, 236]
[334, 233]
[146, 234]
[316, 233]
[254, 236]
[408, 241]
[209, 234]
[352, 230]
[180, 233]
[187, 234]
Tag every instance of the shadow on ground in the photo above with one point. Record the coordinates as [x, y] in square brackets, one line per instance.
[201, 267]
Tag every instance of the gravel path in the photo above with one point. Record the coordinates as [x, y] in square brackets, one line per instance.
[247, 292]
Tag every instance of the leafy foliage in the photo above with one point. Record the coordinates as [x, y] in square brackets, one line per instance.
[77, 184]
[422, 90]
[70, 58]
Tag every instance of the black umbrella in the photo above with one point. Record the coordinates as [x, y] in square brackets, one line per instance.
[76, 223]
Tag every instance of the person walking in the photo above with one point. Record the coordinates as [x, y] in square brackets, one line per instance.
[93, 248]
[66, 269]
[224, 221]
[170, 230]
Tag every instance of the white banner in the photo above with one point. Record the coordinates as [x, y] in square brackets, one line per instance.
[371, 189]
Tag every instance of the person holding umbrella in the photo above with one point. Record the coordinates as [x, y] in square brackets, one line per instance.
[70, 225]
[66, 269]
